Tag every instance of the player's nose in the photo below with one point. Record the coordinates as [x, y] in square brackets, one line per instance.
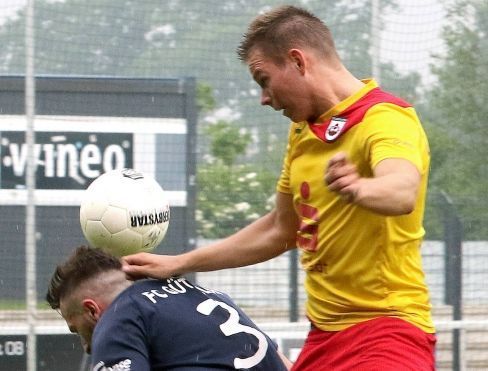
[265, 99]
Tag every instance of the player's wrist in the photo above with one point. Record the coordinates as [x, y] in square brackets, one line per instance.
[182, 264]
[354, 196]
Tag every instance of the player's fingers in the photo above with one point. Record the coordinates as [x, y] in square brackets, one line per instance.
[137, 259]
[339, 172]
[134, 266]
[329, 178]
[335, 186]
[341, 183]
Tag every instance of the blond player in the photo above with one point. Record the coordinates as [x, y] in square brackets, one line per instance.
[351, 196]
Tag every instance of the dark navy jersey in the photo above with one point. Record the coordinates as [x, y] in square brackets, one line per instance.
[175, 325]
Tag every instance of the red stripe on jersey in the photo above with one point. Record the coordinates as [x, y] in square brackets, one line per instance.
[331, 129]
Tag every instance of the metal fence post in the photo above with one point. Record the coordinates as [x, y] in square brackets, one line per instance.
[453, 234]
[293, 285]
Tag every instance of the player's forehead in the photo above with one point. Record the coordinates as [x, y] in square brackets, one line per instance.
[258, 61]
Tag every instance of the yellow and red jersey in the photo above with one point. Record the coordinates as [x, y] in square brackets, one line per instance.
[359, 265]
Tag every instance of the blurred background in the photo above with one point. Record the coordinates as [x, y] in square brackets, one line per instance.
[157, 85]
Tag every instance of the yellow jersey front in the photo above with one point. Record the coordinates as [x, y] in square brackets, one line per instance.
[359, 265]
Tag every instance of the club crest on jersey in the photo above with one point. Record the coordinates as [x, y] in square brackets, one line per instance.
[334, 129]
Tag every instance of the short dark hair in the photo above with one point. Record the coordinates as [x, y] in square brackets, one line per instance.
[284, 28]
[83, 264]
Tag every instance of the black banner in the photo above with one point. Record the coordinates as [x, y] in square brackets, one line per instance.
[64, 160]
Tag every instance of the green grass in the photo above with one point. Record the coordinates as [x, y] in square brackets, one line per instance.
[11, 304]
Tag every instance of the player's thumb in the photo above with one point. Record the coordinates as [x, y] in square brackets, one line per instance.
[339, 158]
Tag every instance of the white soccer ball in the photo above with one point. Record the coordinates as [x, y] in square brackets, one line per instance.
[124, 212]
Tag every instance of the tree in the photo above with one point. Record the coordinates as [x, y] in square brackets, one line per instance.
[457, 112]
[150, 38]
[230, 195]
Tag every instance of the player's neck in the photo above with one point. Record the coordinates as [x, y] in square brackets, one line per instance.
[335, 87]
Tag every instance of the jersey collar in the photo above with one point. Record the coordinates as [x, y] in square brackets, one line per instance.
[369, 84]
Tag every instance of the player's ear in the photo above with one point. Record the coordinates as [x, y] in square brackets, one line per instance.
[91, 309]
[297, 57]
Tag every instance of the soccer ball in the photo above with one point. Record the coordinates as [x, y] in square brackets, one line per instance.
[124, 212]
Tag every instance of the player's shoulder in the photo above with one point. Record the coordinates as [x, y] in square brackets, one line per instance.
[388, 116]
[379, 96]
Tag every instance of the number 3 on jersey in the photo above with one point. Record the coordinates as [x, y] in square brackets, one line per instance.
[231, 327]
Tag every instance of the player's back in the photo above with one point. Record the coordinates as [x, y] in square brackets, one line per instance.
[176, 325]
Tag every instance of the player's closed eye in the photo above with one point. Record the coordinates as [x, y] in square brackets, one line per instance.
[263, 82]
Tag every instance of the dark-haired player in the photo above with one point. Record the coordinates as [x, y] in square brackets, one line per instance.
[169, 324]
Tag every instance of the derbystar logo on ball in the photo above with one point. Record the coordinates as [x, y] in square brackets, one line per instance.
[139, 219]
[124, 212]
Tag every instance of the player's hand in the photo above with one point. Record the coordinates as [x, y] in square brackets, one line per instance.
[146, 265]
[341, 176]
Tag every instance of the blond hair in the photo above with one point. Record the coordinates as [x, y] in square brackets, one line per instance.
[283, 28]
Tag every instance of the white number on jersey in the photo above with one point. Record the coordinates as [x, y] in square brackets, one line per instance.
[231, 327]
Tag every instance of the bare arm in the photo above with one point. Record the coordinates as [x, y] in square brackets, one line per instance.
[391, 191]
[286, 361]
[267, 237]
